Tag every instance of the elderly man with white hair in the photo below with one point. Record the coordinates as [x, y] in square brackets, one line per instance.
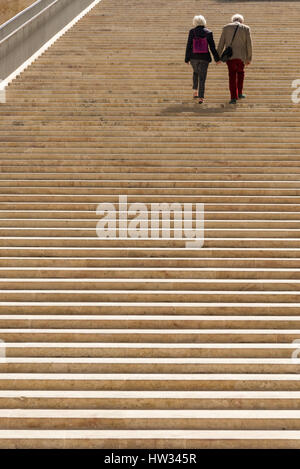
[237, 36]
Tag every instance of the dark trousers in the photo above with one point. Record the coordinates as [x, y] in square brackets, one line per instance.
[236, 77]
[199, 75]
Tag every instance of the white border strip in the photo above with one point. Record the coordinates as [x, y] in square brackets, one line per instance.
[46, 46]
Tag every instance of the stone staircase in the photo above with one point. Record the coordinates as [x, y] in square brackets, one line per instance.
[136, 343]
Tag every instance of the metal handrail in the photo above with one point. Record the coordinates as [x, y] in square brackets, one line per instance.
[18, 19]
[33, 28]
[28, 21]
[21, 13]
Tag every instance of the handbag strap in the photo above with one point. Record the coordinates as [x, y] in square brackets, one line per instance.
[234, 34]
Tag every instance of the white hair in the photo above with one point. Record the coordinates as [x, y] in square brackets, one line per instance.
[199, 20]
[238, 18]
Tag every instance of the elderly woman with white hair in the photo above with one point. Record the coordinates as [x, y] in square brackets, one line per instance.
[200, 43]
[237, 36]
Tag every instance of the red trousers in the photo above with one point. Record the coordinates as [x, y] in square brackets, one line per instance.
[236, 77]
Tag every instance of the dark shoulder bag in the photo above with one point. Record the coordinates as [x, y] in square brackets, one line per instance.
[227, 54]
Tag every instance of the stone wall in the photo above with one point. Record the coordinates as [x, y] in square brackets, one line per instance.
[9, 8]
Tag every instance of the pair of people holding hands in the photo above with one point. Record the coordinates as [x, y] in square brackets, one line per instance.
[234, 48]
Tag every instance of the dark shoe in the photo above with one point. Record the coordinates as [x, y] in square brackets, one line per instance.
[201, 100]
[242, 96]
[232, 101]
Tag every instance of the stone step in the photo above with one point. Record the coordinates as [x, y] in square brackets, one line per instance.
[169, 273]
[255, 175]
[143, 382]
[66, 419]
[56, 202]
[147, 365]
[242, 216]
[28, 127]
[118, 439]
[277, 263]
[147, 350]
[85, 235]
[181, 149]
[86, 321]
[154, 134]
[144, 187]
[129, 128]
[211, 400]
[162, 142]
[82, 226]
[159, 284]
[218, 206]
[140, 194]
[113, 246]
[152, 296]
[279, 253]
[151, 335]
[143, 308]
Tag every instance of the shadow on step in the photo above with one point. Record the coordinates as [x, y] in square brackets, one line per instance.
[196, 109]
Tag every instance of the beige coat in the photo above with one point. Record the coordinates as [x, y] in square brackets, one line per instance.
[242, 44]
